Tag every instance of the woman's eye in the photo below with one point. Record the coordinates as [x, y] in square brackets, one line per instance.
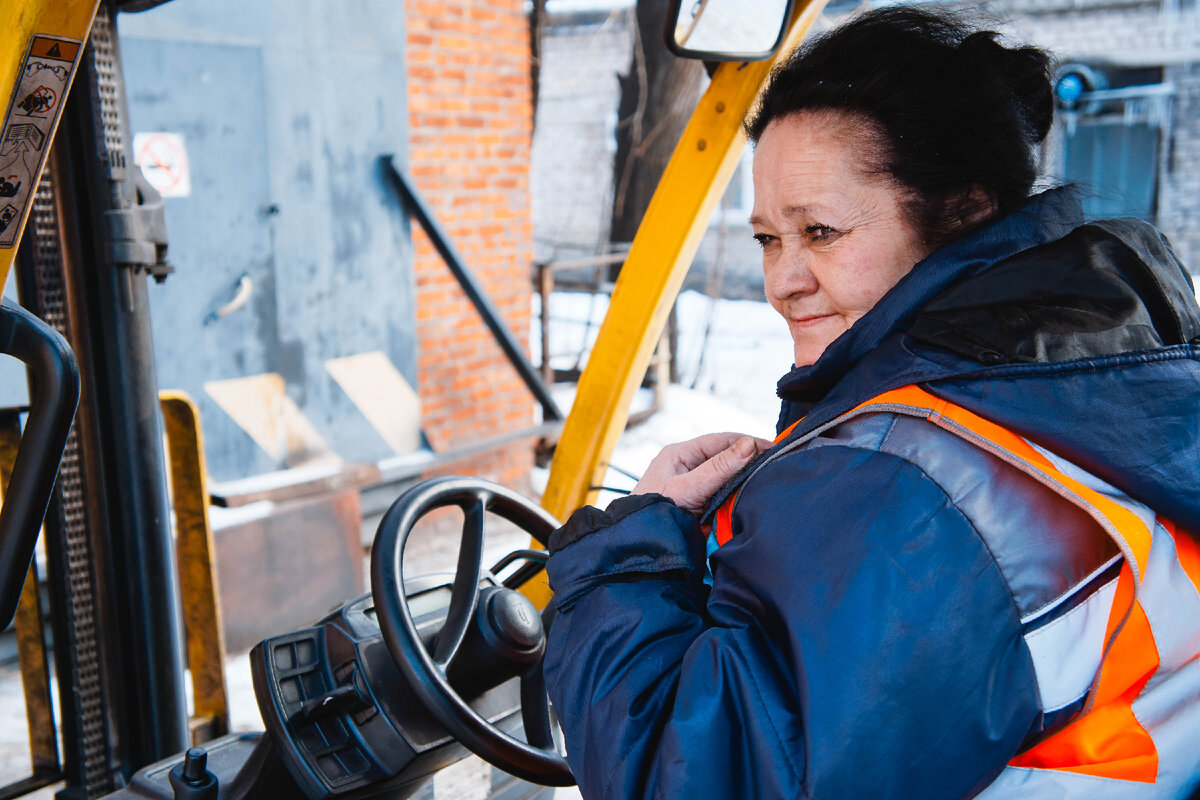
[819, 233]
[764, 239]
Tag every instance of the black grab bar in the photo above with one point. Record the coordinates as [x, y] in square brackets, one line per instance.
[53, 396]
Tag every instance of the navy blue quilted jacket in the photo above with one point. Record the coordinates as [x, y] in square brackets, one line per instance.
[865, 630]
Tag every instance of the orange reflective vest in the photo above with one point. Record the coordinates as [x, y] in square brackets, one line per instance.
[1138, 734]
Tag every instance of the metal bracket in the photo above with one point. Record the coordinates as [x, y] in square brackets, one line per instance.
[138, 234]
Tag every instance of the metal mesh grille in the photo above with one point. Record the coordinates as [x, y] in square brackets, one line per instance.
[102, 53]
[81, 606]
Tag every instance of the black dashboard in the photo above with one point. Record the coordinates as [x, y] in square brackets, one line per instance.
[342, 716]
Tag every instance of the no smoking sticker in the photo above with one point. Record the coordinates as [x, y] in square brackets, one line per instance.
[164, 161]
[28, 128]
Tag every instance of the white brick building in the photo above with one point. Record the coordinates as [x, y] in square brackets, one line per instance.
[1152, 44]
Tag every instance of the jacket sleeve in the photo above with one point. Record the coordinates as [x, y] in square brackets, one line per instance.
[858, 641]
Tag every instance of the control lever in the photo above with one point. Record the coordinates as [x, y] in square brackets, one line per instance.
[192, 780]
[344, 698]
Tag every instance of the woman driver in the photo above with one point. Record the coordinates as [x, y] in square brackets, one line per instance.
[968, 565]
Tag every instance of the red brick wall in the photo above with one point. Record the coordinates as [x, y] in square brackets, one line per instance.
[470, 132]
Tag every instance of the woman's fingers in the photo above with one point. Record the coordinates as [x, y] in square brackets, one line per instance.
[691, 472]
[682, 457]
[726, 463]
[695, 488]
[702, 448]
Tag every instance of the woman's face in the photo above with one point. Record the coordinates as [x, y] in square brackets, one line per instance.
[834, 236]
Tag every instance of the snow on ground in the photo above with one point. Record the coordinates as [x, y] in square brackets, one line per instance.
[746, 350]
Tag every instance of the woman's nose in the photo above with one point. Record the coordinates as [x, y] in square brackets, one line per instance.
[789, 274]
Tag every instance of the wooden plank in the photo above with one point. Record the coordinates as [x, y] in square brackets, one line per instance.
[194, 553]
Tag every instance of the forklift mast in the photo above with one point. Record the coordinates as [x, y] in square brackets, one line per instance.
[95, 235]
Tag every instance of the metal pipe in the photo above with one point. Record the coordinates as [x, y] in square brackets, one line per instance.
[418, 208]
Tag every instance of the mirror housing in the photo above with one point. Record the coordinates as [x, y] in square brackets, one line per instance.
[722, 30]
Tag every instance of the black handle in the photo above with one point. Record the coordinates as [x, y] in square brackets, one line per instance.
[192, 780]
[54, 394]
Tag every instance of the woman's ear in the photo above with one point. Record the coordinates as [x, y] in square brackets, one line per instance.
[973, 206]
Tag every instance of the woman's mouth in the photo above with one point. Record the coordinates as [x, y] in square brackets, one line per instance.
[809, 321]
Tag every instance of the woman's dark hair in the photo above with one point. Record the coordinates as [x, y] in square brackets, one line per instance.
[956, 109]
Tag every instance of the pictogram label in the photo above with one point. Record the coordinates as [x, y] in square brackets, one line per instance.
[164, 161]
[52, 47]
[33, 112]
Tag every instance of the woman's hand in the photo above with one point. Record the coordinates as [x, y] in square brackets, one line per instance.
[691, 472]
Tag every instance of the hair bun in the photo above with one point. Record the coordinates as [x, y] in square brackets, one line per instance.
[946, 107]
[1025, 70]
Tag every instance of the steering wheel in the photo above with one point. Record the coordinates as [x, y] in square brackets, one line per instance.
[519, 633]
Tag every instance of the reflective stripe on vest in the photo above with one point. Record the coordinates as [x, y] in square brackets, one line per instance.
[1140, 719]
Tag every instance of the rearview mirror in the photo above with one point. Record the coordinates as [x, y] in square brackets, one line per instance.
[725, 30]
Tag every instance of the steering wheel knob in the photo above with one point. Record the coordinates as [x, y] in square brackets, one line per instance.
[516, 621]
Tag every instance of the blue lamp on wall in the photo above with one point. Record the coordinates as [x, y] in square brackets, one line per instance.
[1075, 81]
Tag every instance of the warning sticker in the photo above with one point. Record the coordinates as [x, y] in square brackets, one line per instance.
[33, 112]
[164, 161]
